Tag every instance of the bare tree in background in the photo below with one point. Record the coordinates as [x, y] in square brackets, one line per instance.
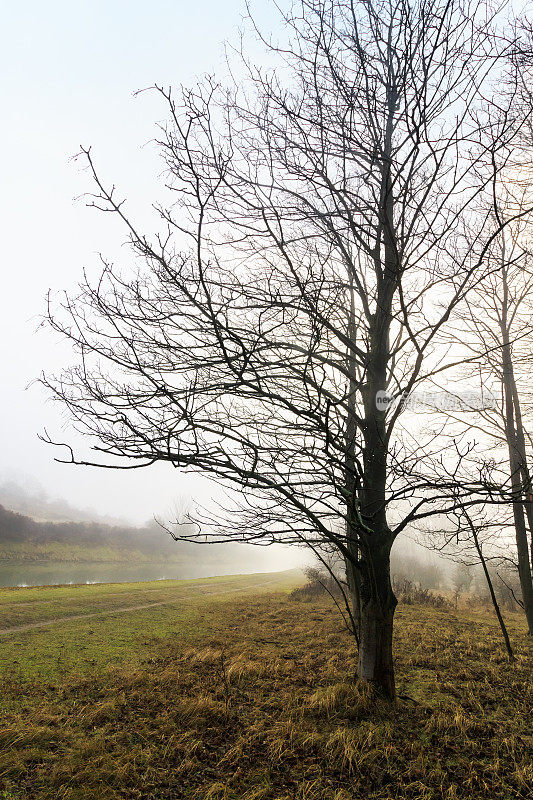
[462, 580]
[497, 332]
[469, 537]
[329, 219]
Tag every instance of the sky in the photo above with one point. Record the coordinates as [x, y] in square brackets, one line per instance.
[69, 73]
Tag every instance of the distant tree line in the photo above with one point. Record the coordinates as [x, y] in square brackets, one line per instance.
[18, 528]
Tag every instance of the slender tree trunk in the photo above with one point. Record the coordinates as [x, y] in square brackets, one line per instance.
[528, 506]
[376, 597]
[524, 569]
[486, 572]
[525, 473]
[352, 539]
[352, 580]
[517, 462]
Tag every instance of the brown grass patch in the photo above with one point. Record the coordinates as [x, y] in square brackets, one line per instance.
[268, 709]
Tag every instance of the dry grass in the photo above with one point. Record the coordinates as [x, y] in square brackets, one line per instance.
[267, 709]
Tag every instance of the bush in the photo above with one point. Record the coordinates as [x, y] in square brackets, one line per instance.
[412, 593]
[318, 583]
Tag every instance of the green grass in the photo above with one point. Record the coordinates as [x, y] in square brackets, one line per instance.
[14, 553]
[252, 697]
[96, 642]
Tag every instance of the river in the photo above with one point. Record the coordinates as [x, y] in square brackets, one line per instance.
[64, 573]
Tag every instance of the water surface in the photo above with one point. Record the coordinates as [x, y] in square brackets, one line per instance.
[63, 573]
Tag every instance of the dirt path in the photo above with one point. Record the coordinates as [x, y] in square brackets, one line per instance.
[59, 620]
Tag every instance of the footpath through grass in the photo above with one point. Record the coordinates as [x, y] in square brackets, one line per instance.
[259, 703]
[96, 626]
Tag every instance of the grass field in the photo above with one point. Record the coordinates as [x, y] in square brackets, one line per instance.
[247, 694]
[117, 623]
[42, 553]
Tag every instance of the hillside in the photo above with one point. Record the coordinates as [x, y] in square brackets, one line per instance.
[27, 497]
[29, 543]
[26, 540]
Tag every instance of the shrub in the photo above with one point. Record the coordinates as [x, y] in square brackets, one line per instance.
[411, 593]
[319, 582]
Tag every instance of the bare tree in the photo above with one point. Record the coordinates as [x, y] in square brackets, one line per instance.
[462, 580]
[496, 332]
[329, 220]
[466, 542]
[479, 550]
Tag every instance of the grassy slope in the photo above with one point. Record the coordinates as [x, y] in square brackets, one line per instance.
[250, 698]
[25, 540]
[13, 553]
[93, 644]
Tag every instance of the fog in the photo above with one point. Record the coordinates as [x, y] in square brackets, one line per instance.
[154, 555]
[70, 73]
[49, 541]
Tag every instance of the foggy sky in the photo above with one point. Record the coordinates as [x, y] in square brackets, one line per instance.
[69, 73]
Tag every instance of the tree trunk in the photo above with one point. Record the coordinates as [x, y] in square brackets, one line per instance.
[353, 587]
[525, 474]
[376, 600]
[375, 646]
[492, 593]
[376, 616]
[524, 569]
[517, 459]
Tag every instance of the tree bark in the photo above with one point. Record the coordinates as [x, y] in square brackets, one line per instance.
[517, 462]
[525, 473]
[378, 604]
[486, 572]
[376, 598]
[375, 646]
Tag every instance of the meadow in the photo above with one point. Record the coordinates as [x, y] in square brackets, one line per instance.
[237, 689]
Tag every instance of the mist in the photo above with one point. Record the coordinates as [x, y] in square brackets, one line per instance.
[47, 540]
[71, 73]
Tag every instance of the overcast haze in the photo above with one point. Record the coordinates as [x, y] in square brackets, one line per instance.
[70, 71]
